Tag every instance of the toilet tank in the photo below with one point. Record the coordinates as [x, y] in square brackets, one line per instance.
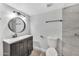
[52, 41]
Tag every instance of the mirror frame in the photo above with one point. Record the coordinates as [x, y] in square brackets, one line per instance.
[12, 29]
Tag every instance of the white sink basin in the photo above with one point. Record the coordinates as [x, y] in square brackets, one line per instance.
[12, 40]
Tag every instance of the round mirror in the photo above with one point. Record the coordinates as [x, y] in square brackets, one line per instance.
[16, 25]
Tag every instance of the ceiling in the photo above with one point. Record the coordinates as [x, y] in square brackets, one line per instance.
[37, 8]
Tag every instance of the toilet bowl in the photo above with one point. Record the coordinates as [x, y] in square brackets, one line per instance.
[51, 52]
[52, 43]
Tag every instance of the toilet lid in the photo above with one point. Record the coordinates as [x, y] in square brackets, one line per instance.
[51, 52]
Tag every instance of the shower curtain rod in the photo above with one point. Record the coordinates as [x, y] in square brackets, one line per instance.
[54, 21]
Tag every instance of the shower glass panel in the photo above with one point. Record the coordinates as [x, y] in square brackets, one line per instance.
[70, 30]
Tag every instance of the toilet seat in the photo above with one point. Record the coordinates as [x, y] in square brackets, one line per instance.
[51, 52]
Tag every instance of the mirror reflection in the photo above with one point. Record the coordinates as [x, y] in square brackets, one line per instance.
[16, 25]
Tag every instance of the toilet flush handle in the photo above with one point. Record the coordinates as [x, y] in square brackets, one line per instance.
[41, 36]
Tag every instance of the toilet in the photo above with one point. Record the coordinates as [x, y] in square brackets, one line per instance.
[52, 43]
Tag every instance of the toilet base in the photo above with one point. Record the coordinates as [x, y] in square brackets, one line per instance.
[51, 52]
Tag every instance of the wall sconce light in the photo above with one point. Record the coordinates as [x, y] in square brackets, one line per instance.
[18, 13]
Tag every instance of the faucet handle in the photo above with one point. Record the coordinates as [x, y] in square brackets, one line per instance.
[15, 35]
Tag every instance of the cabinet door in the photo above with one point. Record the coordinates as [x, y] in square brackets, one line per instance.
[30, 45]
[21, 47]
[6, 49]
[25, 47]
[15, 49]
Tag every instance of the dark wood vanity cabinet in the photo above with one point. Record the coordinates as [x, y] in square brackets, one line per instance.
[23, 47]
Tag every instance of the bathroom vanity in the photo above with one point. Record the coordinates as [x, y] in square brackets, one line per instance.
[19, 46]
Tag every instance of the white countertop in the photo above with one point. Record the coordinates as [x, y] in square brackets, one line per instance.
[12, 40]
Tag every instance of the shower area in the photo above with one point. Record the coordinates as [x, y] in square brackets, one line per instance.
[70, 30]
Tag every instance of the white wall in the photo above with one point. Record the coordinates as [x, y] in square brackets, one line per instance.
[6, 15]
[39, 27]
